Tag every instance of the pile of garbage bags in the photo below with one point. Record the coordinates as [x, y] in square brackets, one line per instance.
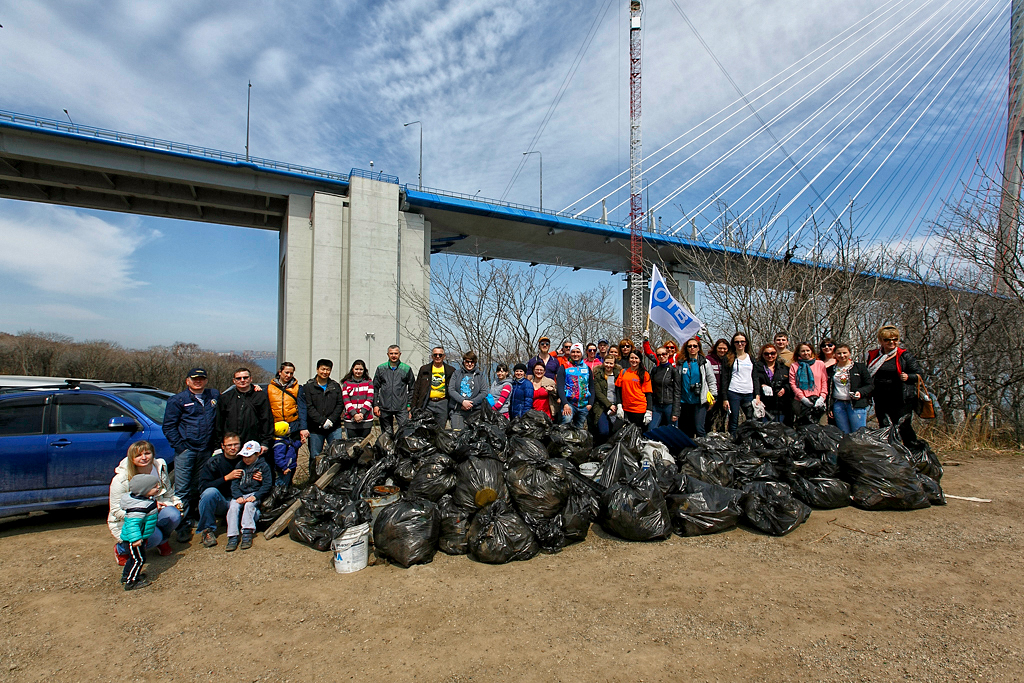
[500, 491]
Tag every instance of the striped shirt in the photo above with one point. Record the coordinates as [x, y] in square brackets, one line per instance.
[357, 397]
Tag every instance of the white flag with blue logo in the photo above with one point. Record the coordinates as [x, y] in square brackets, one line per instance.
[668, 313]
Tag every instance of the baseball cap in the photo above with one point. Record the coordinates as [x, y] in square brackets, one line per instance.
[250, 449]
[196, 373]
[604, 341]
[544, 339]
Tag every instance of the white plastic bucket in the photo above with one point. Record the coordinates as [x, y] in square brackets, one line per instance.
[351, 549]
[589, 469]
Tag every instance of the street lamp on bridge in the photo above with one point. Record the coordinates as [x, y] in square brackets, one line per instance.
[421, 148]
[541, 175]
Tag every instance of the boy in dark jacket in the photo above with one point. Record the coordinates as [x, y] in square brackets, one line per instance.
[246, 493]
[140, 511]
[320, 407]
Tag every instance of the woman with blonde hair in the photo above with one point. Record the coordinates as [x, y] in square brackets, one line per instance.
[894, 372]
[141, 460]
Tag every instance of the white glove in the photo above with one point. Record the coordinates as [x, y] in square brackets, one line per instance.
[620, 413]
[648, 416]
[807, 402]
[766, 390]
[820, 403]
[328, 424]
[647, 335]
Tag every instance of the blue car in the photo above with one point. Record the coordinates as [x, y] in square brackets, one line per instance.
[59, 445]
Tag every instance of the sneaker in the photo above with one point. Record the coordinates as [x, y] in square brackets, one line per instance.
[232, 544]
[122, 558]
[164, 549]
[209, 538]
[246, 539]
[184, 534]
[142, 575]
[137, 583]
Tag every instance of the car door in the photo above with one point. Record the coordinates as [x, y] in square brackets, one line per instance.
[22, 446]
[83, 450]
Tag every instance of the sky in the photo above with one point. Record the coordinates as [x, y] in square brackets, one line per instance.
[333, 82]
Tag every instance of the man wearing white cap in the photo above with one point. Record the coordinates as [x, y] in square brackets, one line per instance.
[573, 384]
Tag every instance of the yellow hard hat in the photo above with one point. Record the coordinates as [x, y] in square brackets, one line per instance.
[282, 428]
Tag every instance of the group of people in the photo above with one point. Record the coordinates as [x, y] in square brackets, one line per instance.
[258, 431]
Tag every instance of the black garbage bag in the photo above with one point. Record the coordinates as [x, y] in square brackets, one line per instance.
[932, 489]
[494, 434]
[352, 513]
[321, 504]
[346, 481]
[719, 444]
[635, 509]
[748, 466]
[572, 444]
[404, 471]
[416, 447]
[820, 492]
[550, 533]
[666, 473]
[533, 423]
[581, 509]
[406, 532]
[307, 529]
[539, 488]
[707, 465]
[454, 538]
[342, 450]
[470, 443]
[701, 508]
[619, 463]
[445, 441]
[820, 440]
[770, 507]
[525, 449]
[280, 498]
[434, 477]
[924, 460]
[764, 436]
[629, 436]
[498, 535]
[478, 483]
[421, 424]
[880, 477]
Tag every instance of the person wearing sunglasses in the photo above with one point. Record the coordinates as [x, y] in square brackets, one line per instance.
[652, 354]
[696, 384]
[467, 391]
[739, 382]
[590, 359]
[431, 388]
[546, 358]
[664, 389]
[625, 348]
[894, 372]
[717, 417]
[773, 378]
[246, 412]
[827, 352]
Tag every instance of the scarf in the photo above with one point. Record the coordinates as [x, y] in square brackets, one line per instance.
[880, 360]
[804, 375]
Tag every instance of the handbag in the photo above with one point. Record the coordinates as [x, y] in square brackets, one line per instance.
[925, 407]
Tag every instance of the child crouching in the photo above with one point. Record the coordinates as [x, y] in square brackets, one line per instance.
[246, 493]
[140, 512]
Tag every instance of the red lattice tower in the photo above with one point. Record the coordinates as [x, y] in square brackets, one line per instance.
[636, 206]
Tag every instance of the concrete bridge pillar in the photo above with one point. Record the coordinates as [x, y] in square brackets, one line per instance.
[342, 262]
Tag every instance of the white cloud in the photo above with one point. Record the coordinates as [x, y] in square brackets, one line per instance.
[63, 251]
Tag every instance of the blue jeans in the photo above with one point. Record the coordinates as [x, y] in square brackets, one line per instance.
[212, 504]
[166, 522]
[737, 402]
[691, 419]
[187, 466]
[661, 416]
[316, 444]
[848, 418]
[578, 418]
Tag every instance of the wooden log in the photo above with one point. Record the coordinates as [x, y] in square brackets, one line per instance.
[281, 523]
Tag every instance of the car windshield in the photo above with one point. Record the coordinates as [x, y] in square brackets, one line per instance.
[152, 402]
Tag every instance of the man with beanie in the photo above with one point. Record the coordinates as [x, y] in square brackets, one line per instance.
[140, 512]
[573, 385]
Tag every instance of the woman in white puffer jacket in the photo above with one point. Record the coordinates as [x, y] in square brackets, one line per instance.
[141, 460]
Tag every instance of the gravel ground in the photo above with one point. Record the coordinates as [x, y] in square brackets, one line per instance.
[926, 595]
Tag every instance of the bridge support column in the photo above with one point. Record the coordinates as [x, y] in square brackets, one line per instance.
[342, 261]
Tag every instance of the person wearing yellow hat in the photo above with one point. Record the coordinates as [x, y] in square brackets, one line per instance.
[283, 392]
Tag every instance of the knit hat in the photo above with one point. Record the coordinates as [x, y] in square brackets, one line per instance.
[577, 347]
[520, 366]
[141, 484]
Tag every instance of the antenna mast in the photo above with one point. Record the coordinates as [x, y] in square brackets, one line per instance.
[636, 206]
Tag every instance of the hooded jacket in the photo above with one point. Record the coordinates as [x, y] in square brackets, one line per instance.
[499, 394]
[190, 420]
[246, 414]
[392, 387]
[119, 487]
[520, 401]
[477, 388]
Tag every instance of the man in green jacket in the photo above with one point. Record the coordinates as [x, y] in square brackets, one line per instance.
[393, 383]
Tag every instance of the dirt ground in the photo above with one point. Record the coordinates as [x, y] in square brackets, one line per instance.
[849, 596]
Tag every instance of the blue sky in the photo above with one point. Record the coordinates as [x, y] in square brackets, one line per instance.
[333, 82]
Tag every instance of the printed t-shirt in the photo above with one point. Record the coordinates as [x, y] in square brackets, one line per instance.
[633, 399]
[437, 386]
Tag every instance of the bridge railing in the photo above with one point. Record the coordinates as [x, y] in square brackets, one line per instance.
[512, 205]
[66, 127]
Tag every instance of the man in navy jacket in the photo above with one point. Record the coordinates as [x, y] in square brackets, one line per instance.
[189, 423]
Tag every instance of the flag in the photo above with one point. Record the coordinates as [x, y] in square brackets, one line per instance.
[668, 313]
